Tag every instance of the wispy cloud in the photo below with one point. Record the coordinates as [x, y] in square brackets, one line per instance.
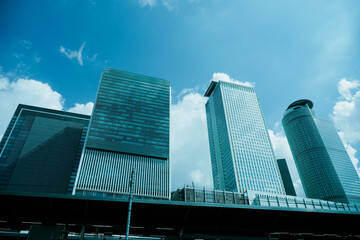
[82, 108]
[37, 59]
[25, 44]
[19, 55]
[71, 54]
[225, 77]
[150, 3]
[91, 59]
[169, 4]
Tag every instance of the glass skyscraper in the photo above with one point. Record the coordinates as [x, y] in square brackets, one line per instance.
[323, 164]
[41, 149]
[242, 156]
[286, 177]
[129, 128]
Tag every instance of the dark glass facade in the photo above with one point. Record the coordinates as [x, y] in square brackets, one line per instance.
[131, 115]
[41, 149]
[285, 175]
[129, 129]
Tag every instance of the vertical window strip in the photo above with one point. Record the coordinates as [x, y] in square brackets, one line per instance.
[121, 180]
[110, 172]
[99, 172]
[88, 161]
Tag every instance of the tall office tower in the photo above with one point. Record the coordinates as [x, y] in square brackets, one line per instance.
[323, 164]
[242, 157]
[41, 150]
[129, 128]
[286, 177]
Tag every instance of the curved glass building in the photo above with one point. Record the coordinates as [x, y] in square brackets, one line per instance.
[323, 164]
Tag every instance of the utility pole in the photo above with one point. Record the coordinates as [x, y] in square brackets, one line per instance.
[130, 203]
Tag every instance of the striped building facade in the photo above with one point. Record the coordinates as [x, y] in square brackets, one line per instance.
[129, 129]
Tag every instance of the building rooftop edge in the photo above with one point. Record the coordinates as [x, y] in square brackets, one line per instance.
[301, 102]
[135, 74]
[31, 107]
[210, 89]
[213, 84]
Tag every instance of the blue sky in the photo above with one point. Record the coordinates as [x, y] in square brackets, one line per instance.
[52, 54]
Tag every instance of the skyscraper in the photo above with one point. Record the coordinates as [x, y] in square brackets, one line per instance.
[41, 149]
[323, 164]
[286, 177]
[242, 156]
[129, 128]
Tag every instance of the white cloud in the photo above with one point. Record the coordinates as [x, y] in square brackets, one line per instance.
[169, 4]
[190, 154]
[344, 87]
[71, 54]
[25, 91]
[282, 150]
[346, 115]
[4, 82]
[30, 92]
[346, 112]
[82, 108]
[150, 3]
[224, 77]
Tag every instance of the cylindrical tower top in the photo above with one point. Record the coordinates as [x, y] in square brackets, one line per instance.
[316, 170]
[301, 102]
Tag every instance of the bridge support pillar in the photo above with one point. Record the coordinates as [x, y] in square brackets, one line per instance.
[45, 232]
[181, 234]
[82, 232]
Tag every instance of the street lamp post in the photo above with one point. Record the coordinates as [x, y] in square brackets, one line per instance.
[130, 203]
